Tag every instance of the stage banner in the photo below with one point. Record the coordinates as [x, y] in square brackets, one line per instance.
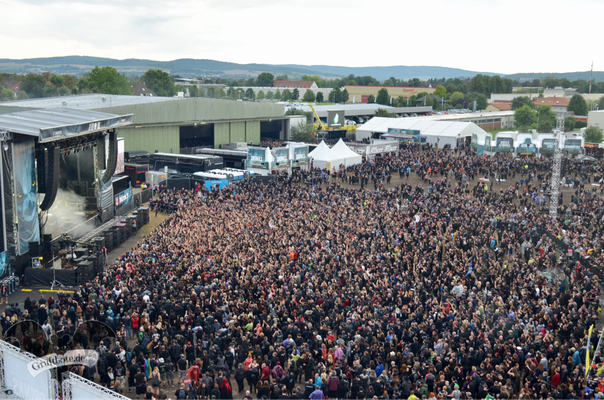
[299, 155]
[124, 202]
[281, 158]
[256, 158]
[3, 263]
[26, 193]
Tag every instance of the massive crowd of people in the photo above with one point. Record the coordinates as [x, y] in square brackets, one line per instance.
[352, 284]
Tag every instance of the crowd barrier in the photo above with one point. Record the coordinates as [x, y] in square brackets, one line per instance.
[15, 376]
[77, 388]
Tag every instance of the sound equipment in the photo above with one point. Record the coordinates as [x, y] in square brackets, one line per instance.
[109, 239]
[52, 178]
[47, 237]
[42, 167]
[100, 153]
[81, 252]
[34, 249]
[112, 159]
[145, 212]
[85, 272]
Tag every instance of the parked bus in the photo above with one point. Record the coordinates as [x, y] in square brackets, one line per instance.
[184, 164]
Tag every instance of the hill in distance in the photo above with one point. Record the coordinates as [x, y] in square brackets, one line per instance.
[571, 76]
[193, 67]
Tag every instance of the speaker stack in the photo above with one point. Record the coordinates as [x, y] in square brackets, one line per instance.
[109, 236]
[139, 218]
[132, 221]
[85, 271]
[51, 185]
[145, 213]
[34, 249]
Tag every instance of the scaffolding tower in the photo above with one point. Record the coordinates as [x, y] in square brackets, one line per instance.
[556, 168]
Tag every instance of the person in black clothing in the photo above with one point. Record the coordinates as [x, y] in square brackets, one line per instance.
[141, 383]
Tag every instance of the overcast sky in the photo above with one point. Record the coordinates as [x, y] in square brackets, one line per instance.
[504, 36]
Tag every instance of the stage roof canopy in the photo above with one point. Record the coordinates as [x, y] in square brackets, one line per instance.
[60, 123]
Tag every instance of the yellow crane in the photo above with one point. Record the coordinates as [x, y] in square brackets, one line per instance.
[322, 126]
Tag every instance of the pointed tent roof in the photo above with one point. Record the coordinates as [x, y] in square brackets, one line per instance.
[344, 151]
[323, 153]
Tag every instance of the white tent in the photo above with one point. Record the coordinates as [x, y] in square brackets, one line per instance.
[323, 157]
[350, 157]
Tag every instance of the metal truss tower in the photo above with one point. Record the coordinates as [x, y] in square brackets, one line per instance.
[556, 168]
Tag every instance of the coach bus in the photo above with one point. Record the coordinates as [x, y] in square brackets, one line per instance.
[184, 164]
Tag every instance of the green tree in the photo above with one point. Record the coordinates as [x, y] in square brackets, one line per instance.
[295, 94]
[281, 78]
[180, 88]
[481, 101]
[601, 103]
[456, 97]
[569, 123]
[6, 94]
[440, 91]
[383, 97]
[22, 95]
[277, 95]
[57, 81]
[50, 91]
[260, 95]
[371, 99]
[309, 96]
[269, 95]
[545, 113]
[219, 94]
[381, 112]
[249, 93]
[265, 79]
[211, 92]
[577, 105]
[64, 91]
[232, 93]
[286, 95]
[345, 96]
[108, 80]
[193, 91]
[593, 134]
[545, 126]
[301, 132]
[69, 81]
[33, 85]
[335, 96]
[319, 97]
[83, 84]
[400, 101]
[524, 116]
[159, 82]
[518, 102]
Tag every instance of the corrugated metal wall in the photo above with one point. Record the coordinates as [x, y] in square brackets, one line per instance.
[252, 132]
[151, 138]
[221, 134]
[196, 109]
[237, 132]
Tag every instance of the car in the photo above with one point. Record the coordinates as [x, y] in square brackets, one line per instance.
[585, 159]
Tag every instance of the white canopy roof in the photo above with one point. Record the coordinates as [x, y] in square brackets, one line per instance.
[344, 151]
[323, 153]
[426, 127]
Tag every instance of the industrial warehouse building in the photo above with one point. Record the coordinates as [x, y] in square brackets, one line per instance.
[165, 124]
[360, 94]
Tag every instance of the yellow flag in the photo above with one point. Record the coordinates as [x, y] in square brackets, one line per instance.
[587, 364]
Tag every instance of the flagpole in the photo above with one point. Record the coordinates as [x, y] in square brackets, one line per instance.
[599, 343]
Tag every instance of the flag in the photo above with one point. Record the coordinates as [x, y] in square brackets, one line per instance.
[375, 99]
[390, 100]
[354, 99]
[587, 365]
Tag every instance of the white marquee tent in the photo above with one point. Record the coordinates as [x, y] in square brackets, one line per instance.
[325, 158]
[436, 132]
[350, 157]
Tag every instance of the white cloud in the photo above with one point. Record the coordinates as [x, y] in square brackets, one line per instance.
[484, 35]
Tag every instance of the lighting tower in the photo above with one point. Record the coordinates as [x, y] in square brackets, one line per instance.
[556, 168]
